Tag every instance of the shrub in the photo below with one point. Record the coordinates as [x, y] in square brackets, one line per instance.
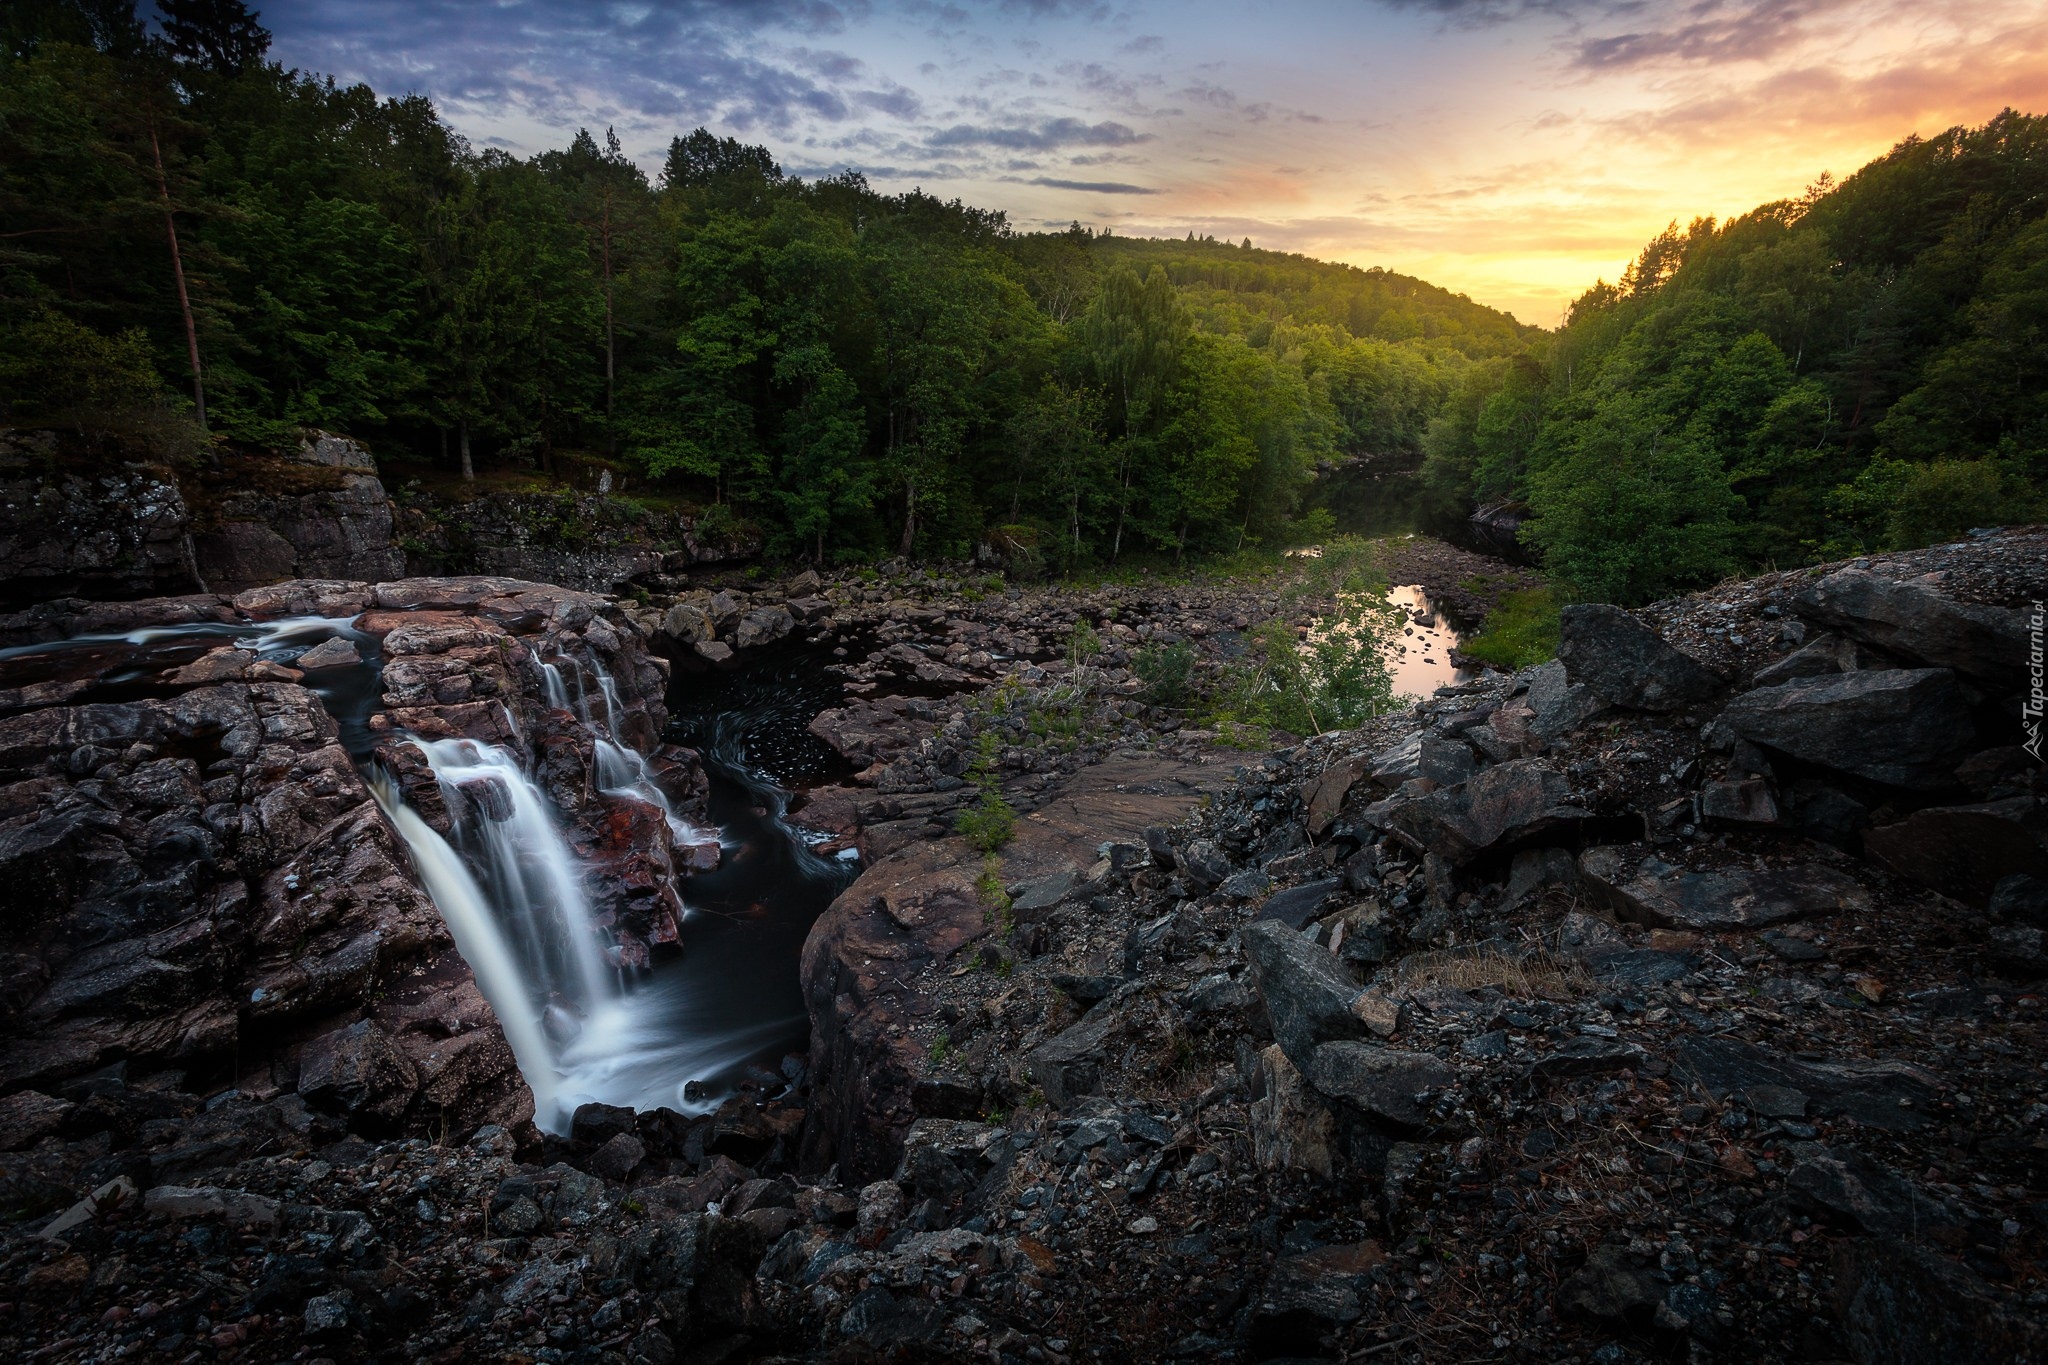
[1166, 671]
[1519, 632]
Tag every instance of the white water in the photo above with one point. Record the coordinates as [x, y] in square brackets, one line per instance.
[482, 944]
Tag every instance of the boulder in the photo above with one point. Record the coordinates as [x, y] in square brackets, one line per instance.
[1557, 705]
[1852, 1191]
[1896, 1096]
[1324, 797]
[1310, 1294]
[1963, 851]
[1746, 801]
[1498, 808]
[1380, 1081]
[1297, 905]
[1292, 1128]
[334, 653]
[1905, 727]
[1646, 890]
[762, 627]
[1307, 992]
[1625, 663]
[358, 1070]
[1204, 864]
[1068, 1065]
[1911, 618]
[1900, 1304]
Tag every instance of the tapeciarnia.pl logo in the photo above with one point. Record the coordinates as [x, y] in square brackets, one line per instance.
[2031, 709]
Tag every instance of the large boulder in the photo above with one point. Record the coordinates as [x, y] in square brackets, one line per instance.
[1905, 1305]
[1382, 1082]
[1648, 891]
[1964, 851]
[1307, 992]
[1905, 727]
[1911, 618]
[1498, 808]
[1625, 663]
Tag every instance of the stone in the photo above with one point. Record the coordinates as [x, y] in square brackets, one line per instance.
[1292, 1128]
[2021, 897]
[1557, 705]
[1645, 890]
[1380, 1081]
[1297, 905]
[1324, 797]
[1824, 654]
[118, 1193]
[1964, 851]
[1382, 1015]
[228, 1206]
[1306, 991]
[1901, 1304]
[1611, 1285]
[600, 1123]
[1913, 619]
[1504, 805]
[1536, 870]
[1310, 1294]
[1745, 802]
[1204, 864]
[617, 1158]
[1588, 1057]
[1446, 762]
[1068, 1065]
[1625, 663]
[358, 1070]
[1893, 1095]
[1392, 766]
[27, 1117]
[762, 627]
[1247, 883]
[335, 653]
[1852, 1191]
[1043, 893]
[1902, 727]
[329, 1315]
[687, 624]
[716, 651]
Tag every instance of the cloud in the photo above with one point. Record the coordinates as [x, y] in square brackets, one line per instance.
[1059, 132]
[1752, 34]
[1092, 186]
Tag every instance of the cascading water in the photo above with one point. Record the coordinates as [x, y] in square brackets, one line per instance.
[512, 891]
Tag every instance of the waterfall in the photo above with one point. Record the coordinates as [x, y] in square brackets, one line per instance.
[482, 945]
[529, 875]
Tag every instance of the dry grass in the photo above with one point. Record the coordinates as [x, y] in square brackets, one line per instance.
[1538, 975]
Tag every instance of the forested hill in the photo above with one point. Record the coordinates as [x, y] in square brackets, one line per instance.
[198, 236]
[1862, 368]
[1240, 288]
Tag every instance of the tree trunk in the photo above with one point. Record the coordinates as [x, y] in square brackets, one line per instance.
[163, 186]
[468, 469]
[909, 517]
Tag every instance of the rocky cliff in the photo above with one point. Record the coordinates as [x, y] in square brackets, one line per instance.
[200, 896]
[1680, 999]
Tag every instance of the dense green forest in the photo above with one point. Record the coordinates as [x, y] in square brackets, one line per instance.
[190, 225]
[1862, 368]
[199, 245]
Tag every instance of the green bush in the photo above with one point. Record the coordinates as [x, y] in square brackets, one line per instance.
[1520, 631]
[1166, 671]
[1334, 679]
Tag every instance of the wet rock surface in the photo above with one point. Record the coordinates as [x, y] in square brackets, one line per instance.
[1605, 1034]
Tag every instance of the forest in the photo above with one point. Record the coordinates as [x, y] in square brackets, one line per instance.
[200, 245]
[194, 227]
[1863, 368]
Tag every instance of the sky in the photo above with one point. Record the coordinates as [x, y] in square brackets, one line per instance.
[1512, 150]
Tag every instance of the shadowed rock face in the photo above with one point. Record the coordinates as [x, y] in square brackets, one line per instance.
[195, 883]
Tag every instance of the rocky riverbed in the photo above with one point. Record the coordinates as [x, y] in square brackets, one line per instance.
[1677, 1000]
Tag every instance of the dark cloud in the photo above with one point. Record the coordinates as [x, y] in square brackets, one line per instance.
[669, 62]
[1749, 34]
[1092, 186]
[1045, 137]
